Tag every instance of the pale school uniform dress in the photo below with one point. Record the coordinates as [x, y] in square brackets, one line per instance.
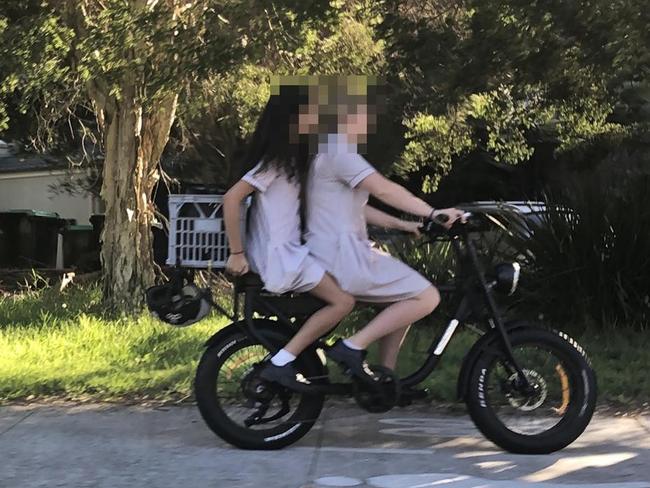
[337, 235]
[273, 245]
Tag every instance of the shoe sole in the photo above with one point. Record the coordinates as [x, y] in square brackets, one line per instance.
[295, 387]
[350, 371]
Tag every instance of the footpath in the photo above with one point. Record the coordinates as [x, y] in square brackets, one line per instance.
[133, 446]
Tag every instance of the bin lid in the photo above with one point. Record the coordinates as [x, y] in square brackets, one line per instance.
[33, 213]
[79, 227]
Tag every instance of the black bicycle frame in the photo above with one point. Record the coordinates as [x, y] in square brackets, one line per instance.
[470, 305]
[476, 292]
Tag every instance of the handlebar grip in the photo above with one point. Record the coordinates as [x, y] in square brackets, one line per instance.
[444, 218]
[441, 219]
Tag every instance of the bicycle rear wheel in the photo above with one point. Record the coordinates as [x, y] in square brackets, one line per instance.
[241, 408]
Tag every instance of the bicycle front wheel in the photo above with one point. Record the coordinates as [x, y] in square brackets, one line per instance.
[552, 412]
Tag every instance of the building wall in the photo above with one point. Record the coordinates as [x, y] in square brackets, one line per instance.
[32, 191]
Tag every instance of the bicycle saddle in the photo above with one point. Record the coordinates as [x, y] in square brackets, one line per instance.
[249, 280]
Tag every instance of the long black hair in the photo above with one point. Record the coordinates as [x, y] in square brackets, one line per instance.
[276, 141]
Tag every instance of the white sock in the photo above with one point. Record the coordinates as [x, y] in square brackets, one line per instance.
[351, 345]
[282, 357]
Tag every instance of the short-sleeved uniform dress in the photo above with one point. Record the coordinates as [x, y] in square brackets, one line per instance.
[336, 230]
[273, 244]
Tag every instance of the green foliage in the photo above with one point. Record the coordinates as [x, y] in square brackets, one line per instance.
[620, 356]
[47, 306]
[215, 117]
[34, 55]
[434, 142]
[62, 60]
[47, 350]
[116, 42]
[3, 110]
[502, 75]
[56, 344]
[506, 120]
[161, 47]
[4, 119]
[587, 261]
[580, 121]
[224, 108]
[435, 260]
[34, 50]
[467, 75]
[348, 46]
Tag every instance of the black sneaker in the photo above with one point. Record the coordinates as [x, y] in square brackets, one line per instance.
[352, 359]
[286, 376]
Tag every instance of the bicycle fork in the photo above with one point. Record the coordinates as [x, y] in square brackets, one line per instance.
[496, 321]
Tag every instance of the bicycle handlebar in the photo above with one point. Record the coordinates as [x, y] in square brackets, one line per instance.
[437, 224]
[430, 227]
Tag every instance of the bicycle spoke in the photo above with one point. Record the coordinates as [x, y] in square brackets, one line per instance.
[534, 412]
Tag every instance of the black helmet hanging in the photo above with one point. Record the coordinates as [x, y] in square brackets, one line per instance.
[177, 302]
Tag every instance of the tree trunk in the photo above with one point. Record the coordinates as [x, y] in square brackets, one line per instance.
[134, 141]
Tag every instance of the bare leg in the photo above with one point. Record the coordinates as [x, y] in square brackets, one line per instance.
[397, 316]
[390, 345]
[338, 305]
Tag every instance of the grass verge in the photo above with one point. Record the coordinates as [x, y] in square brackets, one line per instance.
[59, 345]
[53, 344]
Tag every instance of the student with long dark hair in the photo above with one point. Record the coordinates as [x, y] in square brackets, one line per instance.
[279, 159]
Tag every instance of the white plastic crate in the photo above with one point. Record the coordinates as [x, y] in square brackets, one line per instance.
[197, 237]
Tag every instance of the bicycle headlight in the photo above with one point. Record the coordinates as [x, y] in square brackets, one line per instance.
[507, 277]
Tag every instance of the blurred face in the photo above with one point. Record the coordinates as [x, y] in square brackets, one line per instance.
[308, 119]
[304, 123]
[354, 123]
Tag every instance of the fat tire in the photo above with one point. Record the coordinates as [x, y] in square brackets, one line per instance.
[305, 415]
[581, 406]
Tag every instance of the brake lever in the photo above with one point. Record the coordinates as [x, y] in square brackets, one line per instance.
[440, 220]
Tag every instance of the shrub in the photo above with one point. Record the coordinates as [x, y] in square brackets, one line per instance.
[590, 263]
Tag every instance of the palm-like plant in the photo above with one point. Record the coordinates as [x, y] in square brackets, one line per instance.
[588, 258]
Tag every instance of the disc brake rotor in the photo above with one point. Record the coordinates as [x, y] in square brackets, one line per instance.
[524, 402]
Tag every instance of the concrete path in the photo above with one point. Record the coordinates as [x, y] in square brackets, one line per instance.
[116, 446]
